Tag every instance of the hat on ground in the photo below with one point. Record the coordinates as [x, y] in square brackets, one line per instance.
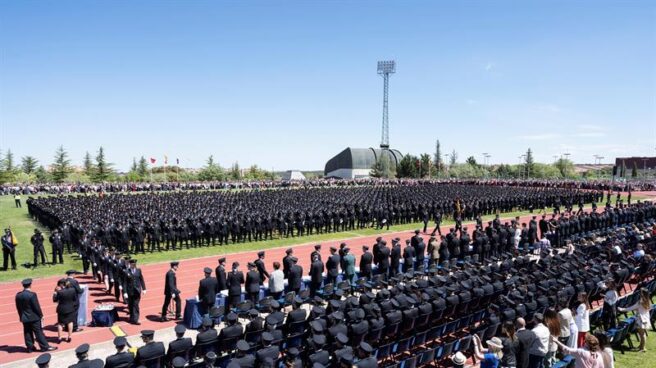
[207, 270]
[179, 362]
[43, 359]
[180, 329]
[26, 282]
[494, 342]
[147, 333]
[120, 341]
[459, 358]
[242, 345]
[82, 349]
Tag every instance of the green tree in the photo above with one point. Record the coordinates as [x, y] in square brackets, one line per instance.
[42, 176]
[9, 163]
[408, 167]
[62, 165]
[623, 169]
[438, 157]
[634, 170]
[87, 165]
[235, 171]
[472, 161]
[453, 158]
[134, 166]
[528, 163]
[29, 164]
[383, 168]
[212, 171]
[425, 166]
[142, 169]
[104, 169]
[565, 168]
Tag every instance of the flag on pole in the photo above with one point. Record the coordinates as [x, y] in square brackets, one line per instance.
[14, 239]
[166, 160]
[152, 160]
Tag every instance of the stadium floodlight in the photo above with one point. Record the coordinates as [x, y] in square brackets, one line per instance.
[385, 68]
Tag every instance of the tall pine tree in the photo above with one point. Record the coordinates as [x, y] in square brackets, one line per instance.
[142, 169]
[62, 165]
[529, 164]
[29, 164]
[438, 157]
[87, 165]
[103, 168]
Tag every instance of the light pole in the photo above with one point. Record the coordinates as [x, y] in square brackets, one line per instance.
[521, 173]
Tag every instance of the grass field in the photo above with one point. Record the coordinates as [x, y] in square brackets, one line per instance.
[23, 227]
[634, 359]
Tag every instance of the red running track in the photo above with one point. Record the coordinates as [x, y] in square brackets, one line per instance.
[12, 346]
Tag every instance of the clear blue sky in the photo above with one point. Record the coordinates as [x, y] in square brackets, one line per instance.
[289, 84]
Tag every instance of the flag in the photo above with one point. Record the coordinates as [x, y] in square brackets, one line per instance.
[14, 239]
[152, 160]
[166, 160]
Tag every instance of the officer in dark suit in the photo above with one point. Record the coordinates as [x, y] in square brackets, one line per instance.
[420, 255]
[232, 330]
[207, 290]
[395, 257]
[316, 275]
[30, 315]
[243, 359]
[365, 359]
[171, 291]
[180, 345]
[252, 286]
[122, 357]
[220, 273]
[261, 268]
[135, 287]
[267, 351]
[526, 338]
[207, 334]
[151, 350]
[37, 244]
[295, 276]
[82, 354]
[287, 262]
[408, 256]
[366, 262]
[234, 281]
[316, 252]
[318, 354]
[332, 266]
[384, 260]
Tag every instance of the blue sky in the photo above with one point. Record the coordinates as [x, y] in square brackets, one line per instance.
[288, 84]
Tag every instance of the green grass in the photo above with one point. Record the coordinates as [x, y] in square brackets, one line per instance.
[634, 359]
[23, 227]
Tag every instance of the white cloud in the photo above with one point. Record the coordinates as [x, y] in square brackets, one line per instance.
[590, 134]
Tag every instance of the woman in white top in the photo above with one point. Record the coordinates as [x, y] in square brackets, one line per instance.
[582, 318]
[642, 318]
[587, 356]
[276, 281]
[609, 312]
[606, 350]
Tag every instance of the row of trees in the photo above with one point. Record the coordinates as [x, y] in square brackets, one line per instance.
[425, 166]
[96, 169]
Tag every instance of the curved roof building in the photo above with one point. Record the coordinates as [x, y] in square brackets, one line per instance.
[354, 163]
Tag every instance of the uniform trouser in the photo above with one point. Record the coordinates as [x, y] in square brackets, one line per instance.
[6, 254]
[425, 226]
[57, 254]
[133, 307]
[233, 301]
[254, 297]
[314, 287]
[37, 251]
[167, 301]
[18, 203]
[331, 280]
[32, 330]
[85, 265]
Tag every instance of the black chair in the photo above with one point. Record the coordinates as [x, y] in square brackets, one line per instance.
[410, 362]
[373, 337]
[426, 357]
[186, 353]
[200, 350]
[254, 338]
[227, 346]
[391, 331]
[157, 362]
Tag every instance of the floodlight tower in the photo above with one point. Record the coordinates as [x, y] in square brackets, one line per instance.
[385, 68]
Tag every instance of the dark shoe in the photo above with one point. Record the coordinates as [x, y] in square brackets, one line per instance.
[30, 350]
[163, 319]
[68, 340]
[50, 348]
[178, 318]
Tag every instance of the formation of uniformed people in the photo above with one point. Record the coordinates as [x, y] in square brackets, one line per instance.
[168, 221]
[343, 326]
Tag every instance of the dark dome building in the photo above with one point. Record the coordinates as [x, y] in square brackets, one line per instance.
[353, 163]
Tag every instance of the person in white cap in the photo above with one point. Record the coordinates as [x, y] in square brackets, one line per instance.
[490, 357]
[459, 359]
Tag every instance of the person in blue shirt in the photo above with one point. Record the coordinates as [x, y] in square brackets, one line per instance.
[490, 357]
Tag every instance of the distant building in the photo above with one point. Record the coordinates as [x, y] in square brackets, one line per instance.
[353, 163]
[293, 175]
[645, 165]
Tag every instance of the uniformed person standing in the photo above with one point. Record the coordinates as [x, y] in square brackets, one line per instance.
[171, 291]
[8, 250]
[220, 273]
[252, 285]
[261, 268]
[207, 290]
[30, 315]
[37, 243]
[234, 281]
[135, 287]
